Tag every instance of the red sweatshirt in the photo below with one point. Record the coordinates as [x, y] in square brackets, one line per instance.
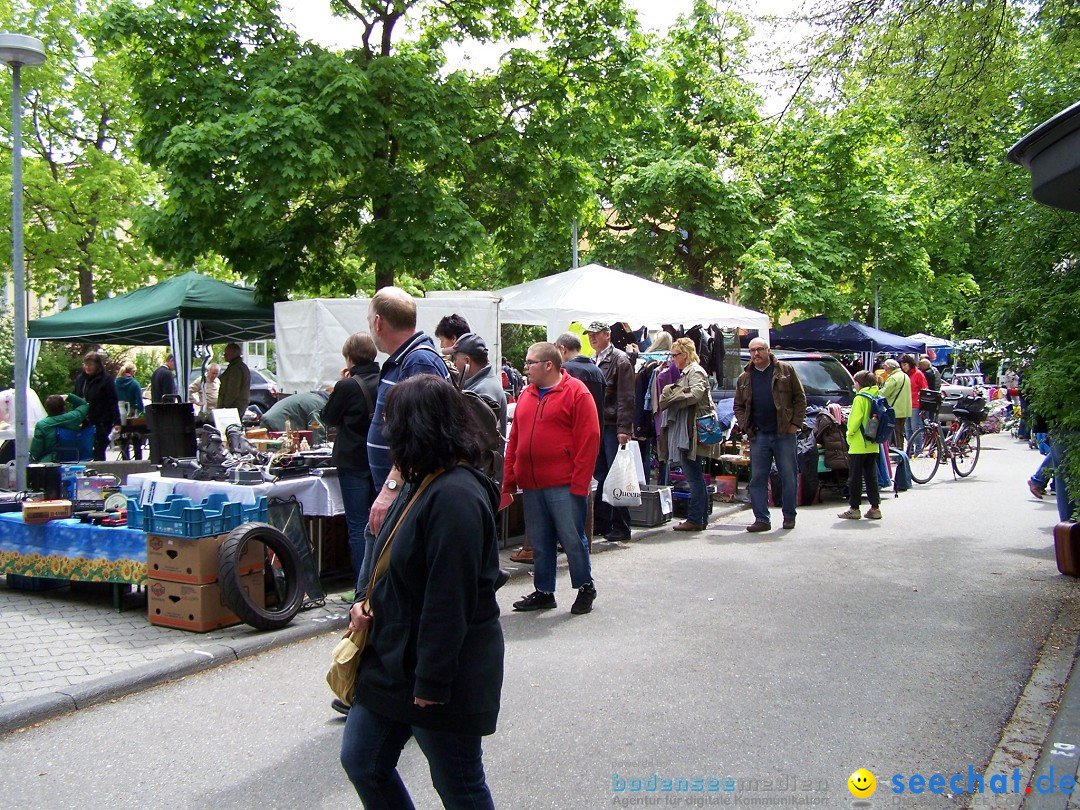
[918, 383]
[554, 439]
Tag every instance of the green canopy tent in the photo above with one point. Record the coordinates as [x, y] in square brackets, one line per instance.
[179, 312]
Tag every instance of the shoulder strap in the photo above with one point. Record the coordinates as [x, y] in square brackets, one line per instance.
[898, 393]
[419, 347]
[366, 394]
[383, 561]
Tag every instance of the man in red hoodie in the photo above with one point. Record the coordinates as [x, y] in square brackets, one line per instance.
[550, 457]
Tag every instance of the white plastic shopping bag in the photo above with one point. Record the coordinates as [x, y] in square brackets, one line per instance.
[639, 468]
[621, 486]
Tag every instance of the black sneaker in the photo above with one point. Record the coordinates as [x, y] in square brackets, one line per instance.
[585, 596]
[537, 600]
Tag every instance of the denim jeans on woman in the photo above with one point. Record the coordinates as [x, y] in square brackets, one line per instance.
[371, 747]
[697, 512]
[357, 495]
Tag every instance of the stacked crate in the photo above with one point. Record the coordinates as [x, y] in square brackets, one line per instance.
[182, 545]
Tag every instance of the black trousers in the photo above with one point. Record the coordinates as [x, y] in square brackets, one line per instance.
[862, 467]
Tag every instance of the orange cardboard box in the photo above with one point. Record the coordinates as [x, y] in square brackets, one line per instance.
[196, 607]
[194, 559]
[44, 511]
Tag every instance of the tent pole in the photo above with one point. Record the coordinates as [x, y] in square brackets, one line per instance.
[574, 244]
[877, 305]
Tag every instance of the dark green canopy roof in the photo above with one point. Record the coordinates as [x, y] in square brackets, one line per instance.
[221, 313]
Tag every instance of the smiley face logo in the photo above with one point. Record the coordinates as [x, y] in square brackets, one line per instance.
[862, 784]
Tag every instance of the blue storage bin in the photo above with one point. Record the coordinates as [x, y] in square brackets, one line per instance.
[257, 512]
[181, 518]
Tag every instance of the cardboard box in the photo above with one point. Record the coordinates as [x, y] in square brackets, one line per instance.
[44, 511]
[194, 560]
[196, 607]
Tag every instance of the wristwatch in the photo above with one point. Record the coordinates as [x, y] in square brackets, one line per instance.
[391, 485]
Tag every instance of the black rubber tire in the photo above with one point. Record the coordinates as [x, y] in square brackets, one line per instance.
[966, 451]
[289, 569]
[924, 455]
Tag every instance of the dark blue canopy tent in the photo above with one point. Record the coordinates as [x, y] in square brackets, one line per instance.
[820, 334]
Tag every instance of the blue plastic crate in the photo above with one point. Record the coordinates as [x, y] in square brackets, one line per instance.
[181, 518]
[257, 512]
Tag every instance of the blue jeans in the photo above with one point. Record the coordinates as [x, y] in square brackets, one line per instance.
[697, 512]
[1062, 484]
[364, 577]
[883, 480]
[357, 494]
[371, 746]
[765, 448]
[553, 516]
[1045, 472]
[608, 519]
[914, 422]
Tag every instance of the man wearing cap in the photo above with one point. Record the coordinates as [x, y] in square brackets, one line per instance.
[897, 392]
[618, 420]
[470, 357]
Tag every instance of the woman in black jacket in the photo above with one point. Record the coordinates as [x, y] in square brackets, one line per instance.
[98, 388]
[433, 666]
[350, 409]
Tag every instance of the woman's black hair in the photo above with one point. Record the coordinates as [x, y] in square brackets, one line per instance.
[428, 426]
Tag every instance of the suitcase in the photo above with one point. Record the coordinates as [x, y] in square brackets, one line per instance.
[1067, 548]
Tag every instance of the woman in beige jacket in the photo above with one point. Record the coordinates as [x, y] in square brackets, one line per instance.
[681, 403]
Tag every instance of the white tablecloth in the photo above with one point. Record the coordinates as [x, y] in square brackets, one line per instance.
[318, 495]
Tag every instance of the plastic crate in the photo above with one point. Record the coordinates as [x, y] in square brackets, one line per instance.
[680, 502]
[655, 508]
[181, 518]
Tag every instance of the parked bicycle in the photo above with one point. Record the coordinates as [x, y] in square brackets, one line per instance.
[932, 445]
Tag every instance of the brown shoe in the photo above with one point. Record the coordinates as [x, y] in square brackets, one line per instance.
[522, 555]
[1036, 490]
[687, 526]
[758, 526]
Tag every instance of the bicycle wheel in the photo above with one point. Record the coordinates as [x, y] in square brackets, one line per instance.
[924, 455]
[965, 451]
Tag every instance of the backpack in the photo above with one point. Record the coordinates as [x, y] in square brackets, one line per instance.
[484, 413]
[879, 421]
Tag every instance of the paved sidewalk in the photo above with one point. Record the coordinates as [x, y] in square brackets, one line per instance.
[67, 649]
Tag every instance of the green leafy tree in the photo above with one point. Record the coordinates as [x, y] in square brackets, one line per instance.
[678, 195]
[854, 211]
[322, 172]
[83, 184]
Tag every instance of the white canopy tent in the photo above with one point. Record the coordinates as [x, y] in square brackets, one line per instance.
[310, 333]
[931, 341]
[598, 293]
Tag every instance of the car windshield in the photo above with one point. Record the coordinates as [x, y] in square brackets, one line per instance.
[820, 378]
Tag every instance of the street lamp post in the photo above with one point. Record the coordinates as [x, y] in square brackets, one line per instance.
[18, 50]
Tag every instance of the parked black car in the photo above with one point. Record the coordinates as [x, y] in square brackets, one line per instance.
[824, 379]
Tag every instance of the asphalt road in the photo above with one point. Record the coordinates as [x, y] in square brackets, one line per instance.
[782, 661]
